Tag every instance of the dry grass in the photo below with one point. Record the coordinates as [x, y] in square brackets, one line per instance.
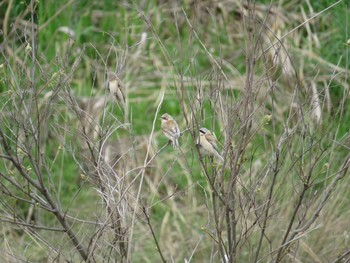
[251, 73]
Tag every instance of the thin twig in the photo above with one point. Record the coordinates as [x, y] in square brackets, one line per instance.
[153, 234]
[142, 176]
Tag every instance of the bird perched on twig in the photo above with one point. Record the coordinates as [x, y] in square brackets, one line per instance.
[207, 143]
[170, 129]
[116, 87]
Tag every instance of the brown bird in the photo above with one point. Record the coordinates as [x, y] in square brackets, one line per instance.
[207, 143]
[170, 129]
[115, 87]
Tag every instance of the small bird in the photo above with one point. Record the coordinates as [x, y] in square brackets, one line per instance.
[170, 129]
[207, 143]
[115, 87]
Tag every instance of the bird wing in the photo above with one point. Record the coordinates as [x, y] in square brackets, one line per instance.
[172, 128]
[116, 89]
[176, 129]
[120, 95]
[212, 140]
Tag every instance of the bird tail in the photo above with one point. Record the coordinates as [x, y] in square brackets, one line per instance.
[220, 157]
[176, 143]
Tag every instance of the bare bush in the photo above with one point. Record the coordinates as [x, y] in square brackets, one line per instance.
[80, 182]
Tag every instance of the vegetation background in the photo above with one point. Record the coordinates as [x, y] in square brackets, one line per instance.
[86, 177]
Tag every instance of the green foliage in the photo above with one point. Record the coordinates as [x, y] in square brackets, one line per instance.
[102, 33]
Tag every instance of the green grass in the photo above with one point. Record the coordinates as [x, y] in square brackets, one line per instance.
[105, 26]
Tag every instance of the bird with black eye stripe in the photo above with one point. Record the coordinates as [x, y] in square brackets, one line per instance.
[207, 144]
